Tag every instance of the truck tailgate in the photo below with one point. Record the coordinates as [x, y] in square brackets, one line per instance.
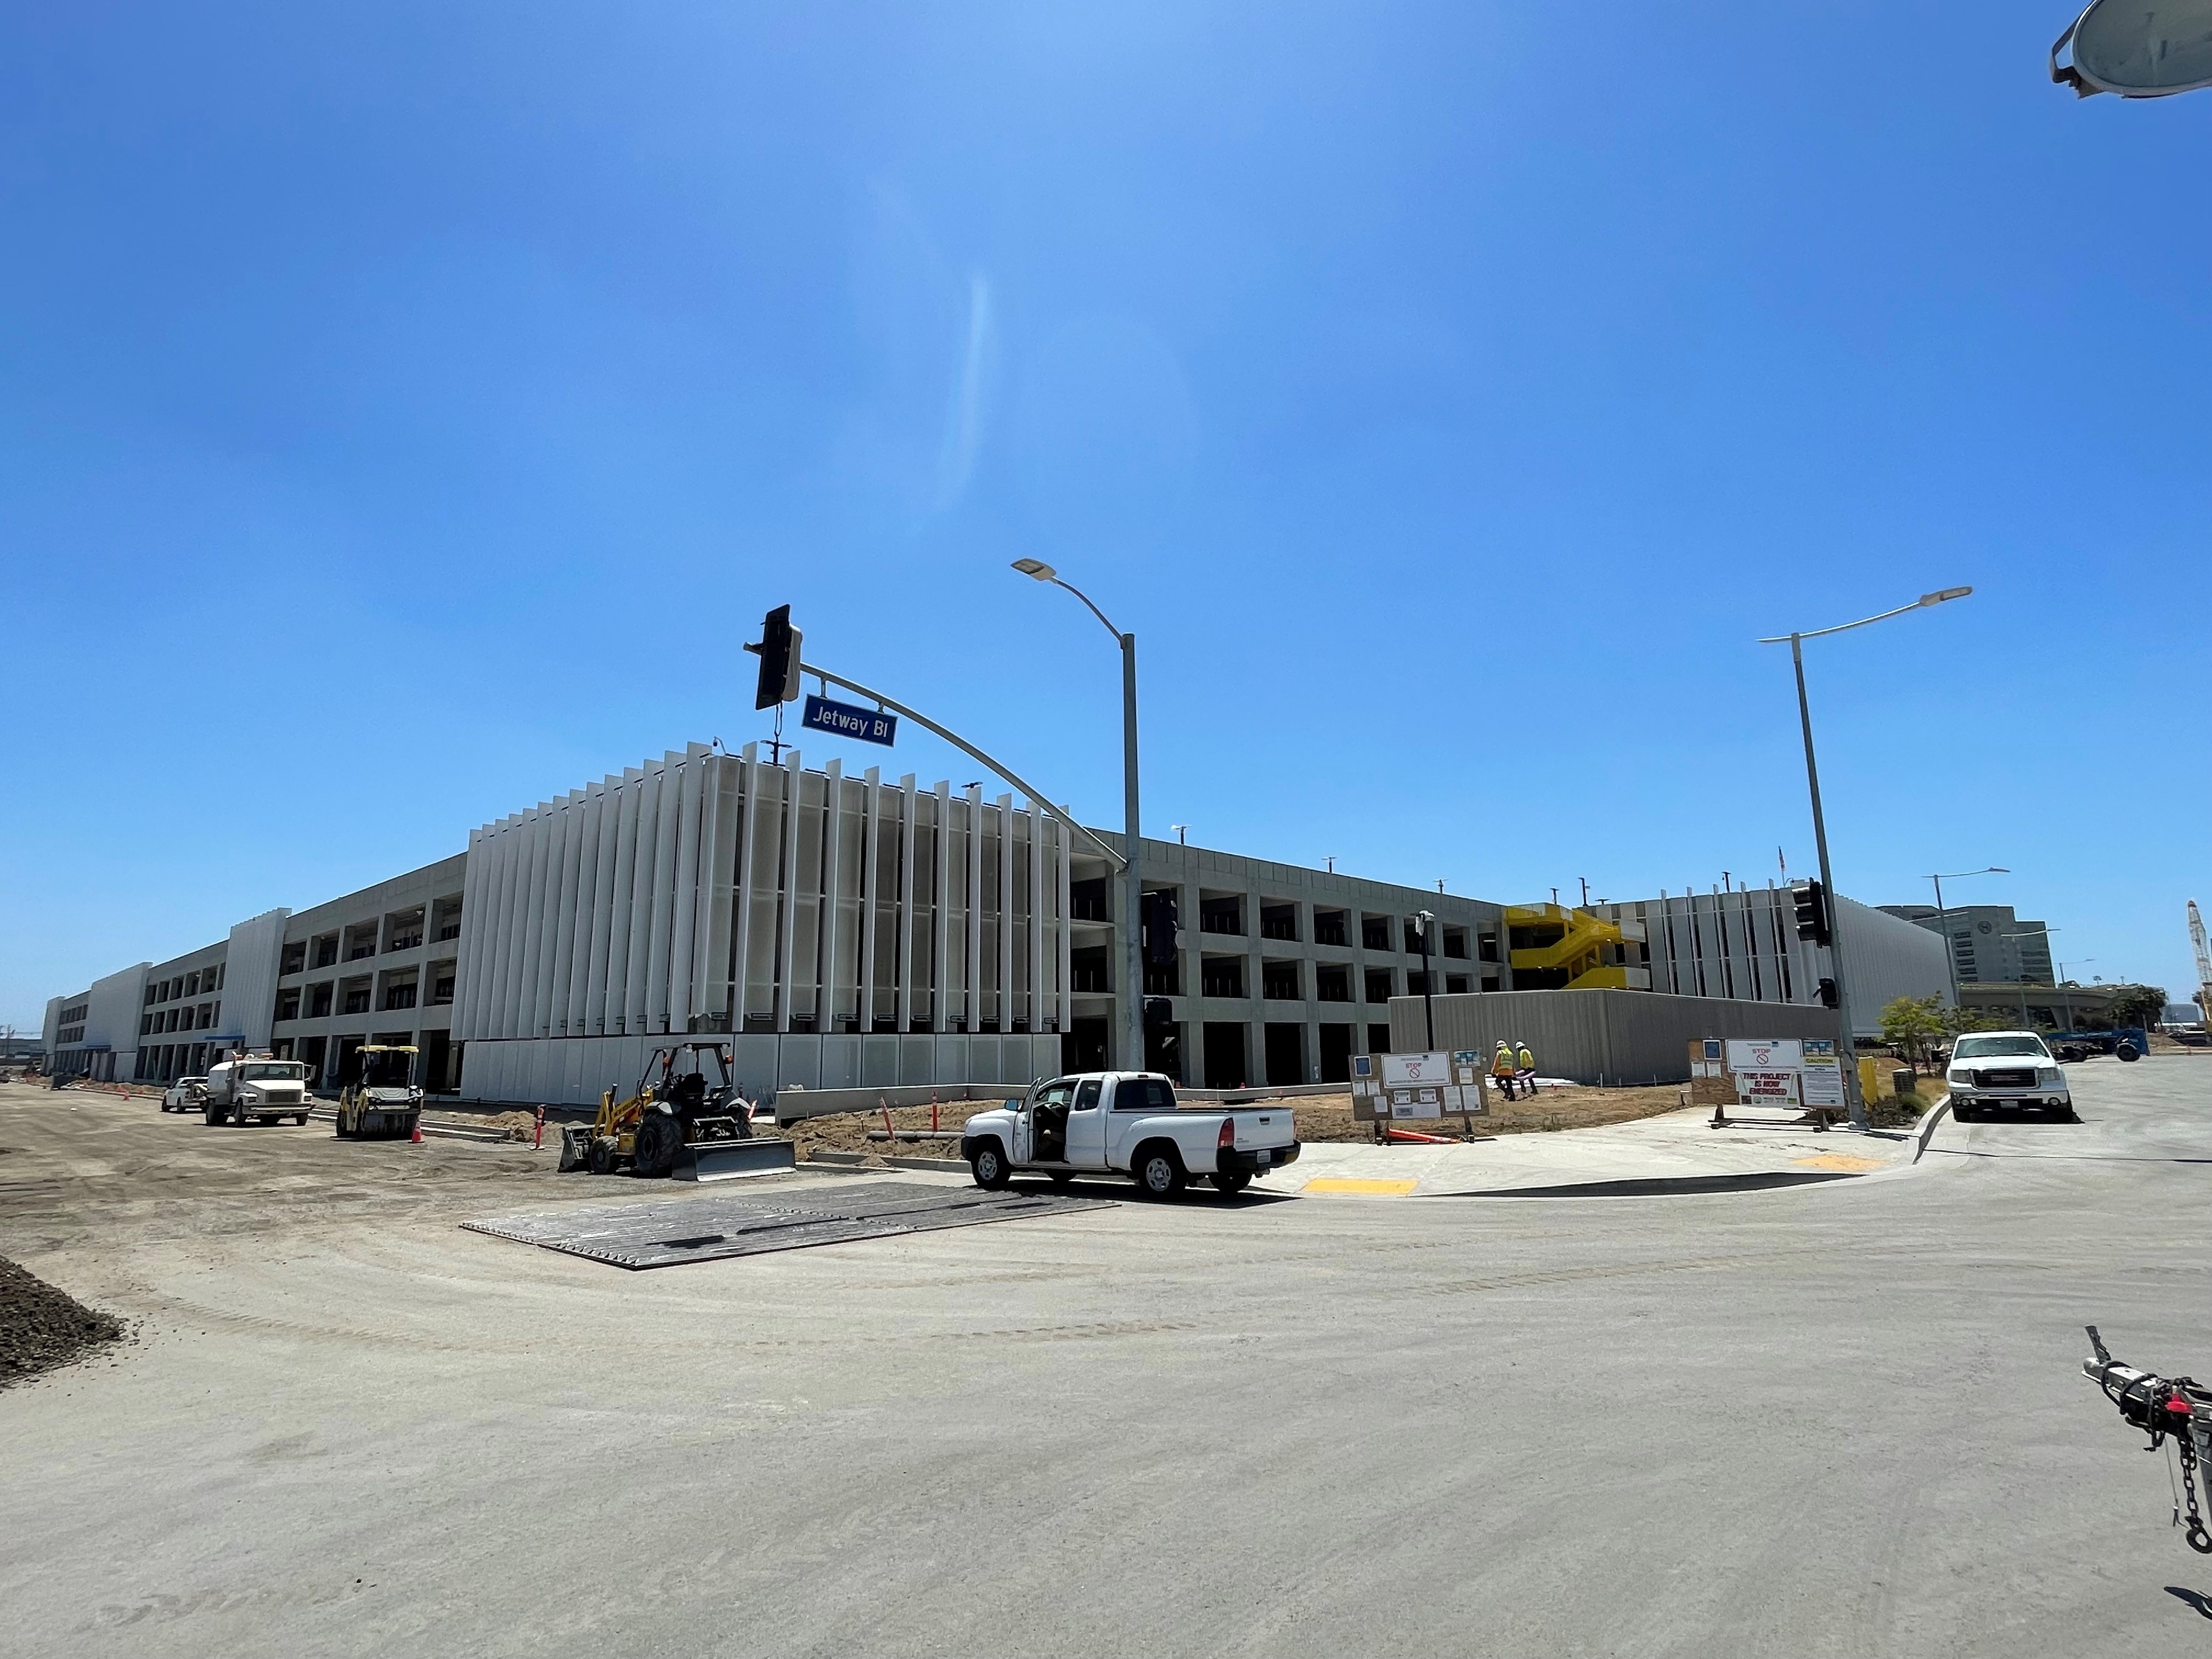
[1261, 1126]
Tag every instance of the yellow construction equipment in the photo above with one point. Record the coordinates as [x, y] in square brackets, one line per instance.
[1557, 948]
[675, 1123]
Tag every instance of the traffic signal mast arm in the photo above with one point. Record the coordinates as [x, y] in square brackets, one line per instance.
[797, 668]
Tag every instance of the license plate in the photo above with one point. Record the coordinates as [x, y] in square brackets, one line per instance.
[1263, 1158]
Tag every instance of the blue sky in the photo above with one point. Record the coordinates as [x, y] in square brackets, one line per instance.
[406, 414]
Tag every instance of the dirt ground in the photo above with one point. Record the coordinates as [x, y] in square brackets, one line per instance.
[1328, 1117]
[42, 1329]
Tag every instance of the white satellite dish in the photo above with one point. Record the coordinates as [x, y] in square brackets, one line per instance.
[2137, 48]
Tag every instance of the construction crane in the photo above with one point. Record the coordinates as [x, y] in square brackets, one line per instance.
[2203, 962]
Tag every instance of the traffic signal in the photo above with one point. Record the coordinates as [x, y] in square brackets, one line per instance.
[1812, 902]
[1828, 997]
[1160, 919]
[1159, 1013]
[778, 655]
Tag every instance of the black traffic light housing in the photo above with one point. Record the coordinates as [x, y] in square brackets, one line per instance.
[1811, 900]
[1160, 921]
[778, 655]
[1159, 1013]
[1828, 997]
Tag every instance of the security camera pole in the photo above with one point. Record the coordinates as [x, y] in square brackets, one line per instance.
[1132, 888]
[1847, 1047]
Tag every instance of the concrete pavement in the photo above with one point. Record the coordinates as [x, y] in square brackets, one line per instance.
[1842, 1419]
[1675, 1150]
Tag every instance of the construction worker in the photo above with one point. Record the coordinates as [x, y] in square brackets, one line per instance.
[1526, 1066]
[1502, 1068]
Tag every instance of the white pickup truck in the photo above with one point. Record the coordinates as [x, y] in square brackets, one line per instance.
[1126, 1123]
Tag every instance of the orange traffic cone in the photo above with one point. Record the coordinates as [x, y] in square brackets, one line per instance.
[416, 1137]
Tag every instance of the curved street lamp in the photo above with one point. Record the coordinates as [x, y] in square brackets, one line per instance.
[1132, 887]
[1848, 1048]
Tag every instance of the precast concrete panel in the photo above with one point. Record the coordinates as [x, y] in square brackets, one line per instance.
[666, 822]
[255, 953]
[833, 891]
[712, 991]
[1004, 977]
[562, 962]
[684, 896]
[536, 832]
[904, 1016]
[615, 1012]
[573, 1019]
[804, 891]
[1063, 867]
[970, 975]
[741, 928]
[786, 912]
[639, 974]
[606, 818]
[1036, 837]
[940, 918]
[871, 839]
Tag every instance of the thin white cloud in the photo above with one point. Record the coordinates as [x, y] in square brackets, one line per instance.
[963, 426]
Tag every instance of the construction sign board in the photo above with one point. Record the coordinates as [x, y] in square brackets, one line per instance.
[1821, 1079]
[1416, 1086]
[1766, 1087]
[1765, 1054]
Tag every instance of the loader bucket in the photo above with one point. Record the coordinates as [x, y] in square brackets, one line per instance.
[730, 1160]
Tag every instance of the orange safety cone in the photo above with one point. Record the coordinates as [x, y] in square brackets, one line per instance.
[415, 1139]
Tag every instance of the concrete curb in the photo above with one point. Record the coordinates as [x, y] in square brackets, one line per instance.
[1924, 1129]
[440, 1132]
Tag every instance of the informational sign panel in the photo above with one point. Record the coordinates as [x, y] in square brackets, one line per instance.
[1822, 1081]
[1416, 1086]
[848, 720]
[1409, 1071]
[1764, 1054]
[1766, 1087]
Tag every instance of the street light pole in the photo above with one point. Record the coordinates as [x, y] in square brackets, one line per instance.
[2043, 933]
[1132, 881]
[1427, 919]
[1848, 1046]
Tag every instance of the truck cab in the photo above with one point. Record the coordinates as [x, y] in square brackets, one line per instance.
[1126, 1123]
[255, 1087]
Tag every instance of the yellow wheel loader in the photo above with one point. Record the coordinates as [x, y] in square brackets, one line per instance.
[675, 1123]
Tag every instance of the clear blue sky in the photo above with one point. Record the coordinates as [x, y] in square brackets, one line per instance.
[406, 412]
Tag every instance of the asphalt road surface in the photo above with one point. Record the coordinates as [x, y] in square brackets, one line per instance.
[1841, 1419]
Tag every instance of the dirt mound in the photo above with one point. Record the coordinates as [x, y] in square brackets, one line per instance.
[42, 1327]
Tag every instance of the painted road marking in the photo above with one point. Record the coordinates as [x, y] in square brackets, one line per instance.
[1351, 1184]
[1840, 1161]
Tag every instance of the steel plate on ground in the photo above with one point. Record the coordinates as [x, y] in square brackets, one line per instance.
[719, 1225]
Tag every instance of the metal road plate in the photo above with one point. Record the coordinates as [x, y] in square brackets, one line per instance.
[714, 1225]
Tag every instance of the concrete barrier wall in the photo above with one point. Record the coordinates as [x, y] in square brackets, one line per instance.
[1608, 1038]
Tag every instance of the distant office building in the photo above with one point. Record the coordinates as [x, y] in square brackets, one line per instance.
[1742, 945]
[1988, 945]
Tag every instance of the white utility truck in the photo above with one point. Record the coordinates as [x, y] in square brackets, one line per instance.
[260, 1088]
[1126, 1123]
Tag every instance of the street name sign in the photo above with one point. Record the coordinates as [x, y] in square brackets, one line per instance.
[847, 719]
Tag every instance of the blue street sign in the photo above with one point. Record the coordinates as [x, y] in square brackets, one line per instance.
[847, 719]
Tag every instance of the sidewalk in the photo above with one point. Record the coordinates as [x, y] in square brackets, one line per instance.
[1675, 1152]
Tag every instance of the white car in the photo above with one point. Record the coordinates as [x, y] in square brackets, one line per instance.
[2006, 1071]
[184, 1095]
[1127, 1123]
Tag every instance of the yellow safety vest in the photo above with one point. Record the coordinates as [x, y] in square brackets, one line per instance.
[1527, 1060]
[1503, 1066]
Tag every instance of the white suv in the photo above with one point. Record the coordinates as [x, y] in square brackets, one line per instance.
[2006, 1069]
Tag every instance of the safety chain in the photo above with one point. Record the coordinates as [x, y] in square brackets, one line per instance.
[2196, 1537]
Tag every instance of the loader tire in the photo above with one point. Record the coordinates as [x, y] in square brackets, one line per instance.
[657, 1145]
[603, 1156]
